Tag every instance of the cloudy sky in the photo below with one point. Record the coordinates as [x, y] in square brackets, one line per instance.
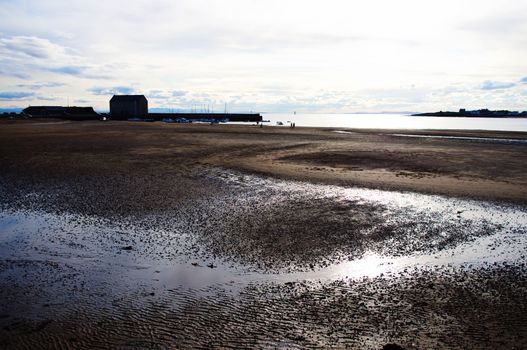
[266, 56]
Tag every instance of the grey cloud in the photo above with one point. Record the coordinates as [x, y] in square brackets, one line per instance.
[494, 85]
[524, 80]
[165, 94]
[38, 86]
[157, 94]
[78, 71]
[178, 93]
[15, 95]
[46, 98]
[68, 70]
[116, 90]
[30, 46]
[15, 74]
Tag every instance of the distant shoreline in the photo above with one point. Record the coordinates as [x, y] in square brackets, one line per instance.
[481, 113]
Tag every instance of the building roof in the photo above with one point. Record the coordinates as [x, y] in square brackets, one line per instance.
[58, 110]
[127, 97]
[80, 110]
[47, 108]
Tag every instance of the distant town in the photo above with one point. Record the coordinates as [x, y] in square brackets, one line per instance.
[479, 113]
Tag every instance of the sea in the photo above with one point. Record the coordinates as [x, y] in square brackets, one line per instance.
[394, 121]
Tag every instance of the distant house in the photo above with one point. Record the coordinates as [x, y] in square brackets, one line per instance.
[128, 106]
[60, 112]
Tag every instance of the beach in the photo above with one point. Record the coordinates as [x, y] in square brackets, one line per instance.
[469, 167]
[157, 235]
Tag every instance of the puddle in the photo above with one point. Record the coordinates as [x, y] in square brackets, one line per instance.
[463, 138]
[343, 132]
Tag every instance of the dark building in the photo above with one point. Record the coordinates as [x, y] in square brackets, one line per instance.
[60, 112]
[128, 106]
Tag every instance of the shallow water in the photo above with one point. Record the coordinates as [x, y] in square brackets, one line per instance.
[396, 121]
[465, 138]
[134, 253]
[493, 232]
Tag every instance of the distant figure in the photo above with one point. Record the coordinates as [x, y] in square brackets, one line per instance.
[261, 125]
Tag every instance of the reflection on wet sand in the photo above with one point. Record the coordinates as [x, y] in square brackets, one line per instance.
[269, 263]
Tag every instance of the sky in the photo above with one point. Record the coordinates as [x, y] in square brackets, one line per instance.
[331, 56]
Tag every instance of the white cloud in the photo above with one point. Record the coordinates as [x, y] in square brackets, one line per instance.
[31, 47]
[260, 54]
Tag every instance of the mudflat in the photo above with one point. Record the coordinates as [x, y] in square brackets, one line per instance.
[478, 164]
[154, 235]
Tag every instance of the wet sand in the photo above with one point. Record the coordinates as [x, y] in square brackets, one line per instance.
[107, 231]
[482, 169]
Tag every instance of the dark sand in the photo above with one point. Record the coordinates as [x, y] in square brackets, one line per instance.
[182, 194]
[370, 158]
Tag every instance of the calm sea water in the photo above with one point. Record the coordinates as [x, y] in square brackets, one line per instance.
[396, 121]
